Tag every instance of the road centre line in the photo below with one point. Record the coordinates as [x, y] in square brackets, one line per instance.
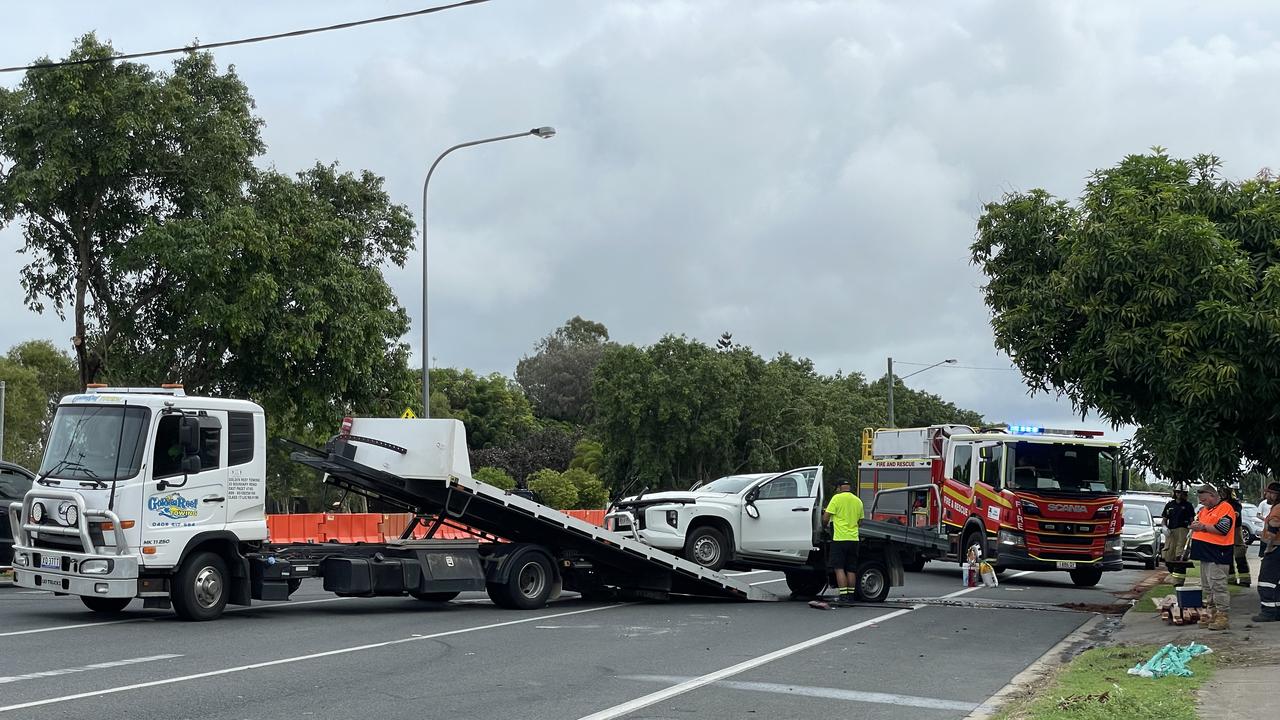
[824, 692]
[84, 668]
[716, 676]
[296, 659]
[152, 618]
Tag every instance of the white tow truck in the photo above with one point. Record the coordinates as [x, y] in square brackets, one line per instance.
[149, 493]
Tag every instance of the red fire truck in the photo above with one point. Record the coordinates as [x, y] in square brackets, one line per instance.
[1029, 498]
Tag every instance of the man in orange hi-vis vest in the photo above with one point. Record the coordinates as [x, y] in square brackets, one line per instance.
[1212, 543]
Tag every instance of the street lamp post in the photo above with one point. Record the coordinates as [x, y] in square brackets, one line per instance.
[904, 377]
[542, 132]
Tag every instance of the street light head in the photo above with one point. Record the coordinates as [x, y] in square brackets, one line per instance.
[543, 132]
[952, 361]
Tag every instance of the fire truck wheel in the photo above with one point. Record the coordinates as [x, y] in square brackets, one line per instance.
[440, 597]
[1087, 577]
[707, 547]
[873, 581]
[805, 583]
[200, 587]
[105, 606]
[972, 538]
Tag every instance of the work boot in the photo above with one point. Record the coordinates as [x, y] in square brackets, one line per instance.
[1206, 617]
[1263, 617]
[1220, 621]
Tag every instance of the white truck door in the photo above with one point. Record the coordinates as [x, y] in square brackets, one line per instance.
[182, 509]
[785, 505]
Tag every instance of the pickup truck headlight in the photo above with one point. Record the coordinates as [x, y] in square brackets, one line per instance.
[1013, 539]
[673, 518]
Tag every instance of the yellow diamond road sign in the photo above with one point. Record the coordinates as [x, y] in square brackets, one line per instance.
[408, 414]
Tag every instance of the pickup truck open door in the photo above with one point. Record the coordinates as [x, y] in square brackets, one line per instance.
[778, 517]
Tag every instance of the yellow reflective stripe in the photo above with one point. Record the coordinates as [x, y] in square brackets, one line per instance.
[993, 497]
[955, 494]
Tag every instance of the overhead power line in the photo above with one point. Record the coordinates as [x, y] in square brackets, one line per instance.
[958, 367]
[244, 41]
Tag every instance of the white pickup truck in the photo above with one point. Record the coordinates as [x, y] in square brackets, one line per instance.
[769, 521]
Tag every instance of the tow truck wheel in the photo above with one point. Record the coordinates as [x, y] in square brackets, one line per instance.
[529, 585]
[707, 547]
[873, 581]
[1086, 577]
[200, 587]
[805, 583]
[105, 606]
[439, 597]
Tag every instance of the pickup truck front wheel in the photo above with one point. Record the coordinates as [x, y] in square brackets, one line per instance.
[707, 547]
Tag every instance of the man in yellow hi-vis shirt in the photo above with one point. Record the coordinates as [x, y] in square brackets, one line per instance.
[844, 511]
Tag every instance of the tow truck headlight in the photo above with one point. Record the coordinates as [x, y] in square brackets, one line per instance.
[1013, 539]
[37, 512]
[21, 559]
[673, 518]
[95, 567]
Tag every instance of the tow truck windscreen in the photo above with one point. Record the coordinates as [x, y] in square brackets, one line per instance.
[95, 442]
[1057, 467]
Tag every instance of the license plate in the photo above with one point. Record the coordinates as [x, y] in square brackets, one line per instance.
[50, 563]
[1066, 566]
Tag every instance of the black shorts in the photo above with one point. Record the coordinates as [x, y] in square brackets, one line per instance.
[844, 555]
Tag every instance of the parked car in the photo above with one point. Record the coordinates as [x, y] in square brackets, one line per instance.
[1143, 541]
[1251, 524]
[15, 481]
[1154, 502]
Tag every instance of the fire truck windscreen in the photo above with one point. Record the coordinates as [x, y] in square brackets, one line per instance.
[1065, 468]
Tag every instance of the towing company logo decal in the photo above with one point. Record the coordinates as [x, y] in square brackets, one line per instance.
[173, 506]
[1059, 507]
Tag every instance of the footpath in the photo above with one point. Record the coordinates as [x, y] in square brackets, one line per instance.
[1247, 656]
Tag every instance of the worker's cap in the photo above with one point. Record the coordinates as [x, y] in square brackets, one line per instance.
[843, 481]
[1206, 488]
[1273, 487]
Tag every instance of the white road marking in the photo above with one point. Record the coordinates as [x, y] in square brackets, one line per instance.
[84, 668]
[289, 660]
[152, 618]
[718, 675]
[823, 692]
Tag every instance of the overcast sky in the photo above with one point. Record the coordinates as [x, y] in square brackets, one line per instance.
[805, 175]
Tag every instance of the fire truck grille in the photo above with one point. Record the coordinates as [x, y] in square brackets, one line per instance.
[1064, 539]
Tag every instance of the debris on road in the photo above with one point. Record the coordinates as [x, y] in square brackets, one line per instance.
[1170, 660]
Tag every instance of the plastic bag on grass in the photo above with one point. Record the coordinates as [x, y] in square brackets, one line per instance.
[1169, 660]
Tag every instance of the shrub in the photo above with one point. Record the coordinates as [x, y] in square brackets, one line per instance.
[496, 477]
[592, 494]
[554, 489]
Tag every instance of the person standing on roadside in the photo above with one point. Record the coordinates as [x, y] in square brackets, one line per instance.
[1269, 575]
[1239, 572]
[1212, 543]
[844, 512]
[1178, 514]
[1264, 509]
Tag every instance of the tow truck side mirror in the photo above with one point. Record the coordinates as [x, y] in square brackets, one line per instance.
[189, 436]
[191, 465]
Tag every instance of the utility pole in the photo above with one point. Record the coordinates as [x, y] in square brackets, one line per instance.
[1, 420]
[891, 392]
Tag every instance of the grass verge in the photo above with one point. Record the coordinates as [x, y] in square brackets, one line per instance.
[1147, 603]
[1096, 686]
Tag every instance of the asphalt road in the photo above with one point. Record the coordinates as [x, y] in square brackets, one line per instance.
[323, 657]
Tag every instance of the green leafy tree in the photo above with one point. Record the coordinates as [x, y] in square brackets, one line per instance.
[546, 446]
[496, 477]
[557, 377]
[1154, 301]
[493, 408]
[36, 375]
[554, 489]
[96, 153]
[588, 455]
[592, 494]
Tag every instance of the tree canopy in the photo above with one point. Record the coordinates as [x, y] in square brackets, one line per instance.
[1154, 300]
[557, 377]
[98, 152]
[36, 375]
